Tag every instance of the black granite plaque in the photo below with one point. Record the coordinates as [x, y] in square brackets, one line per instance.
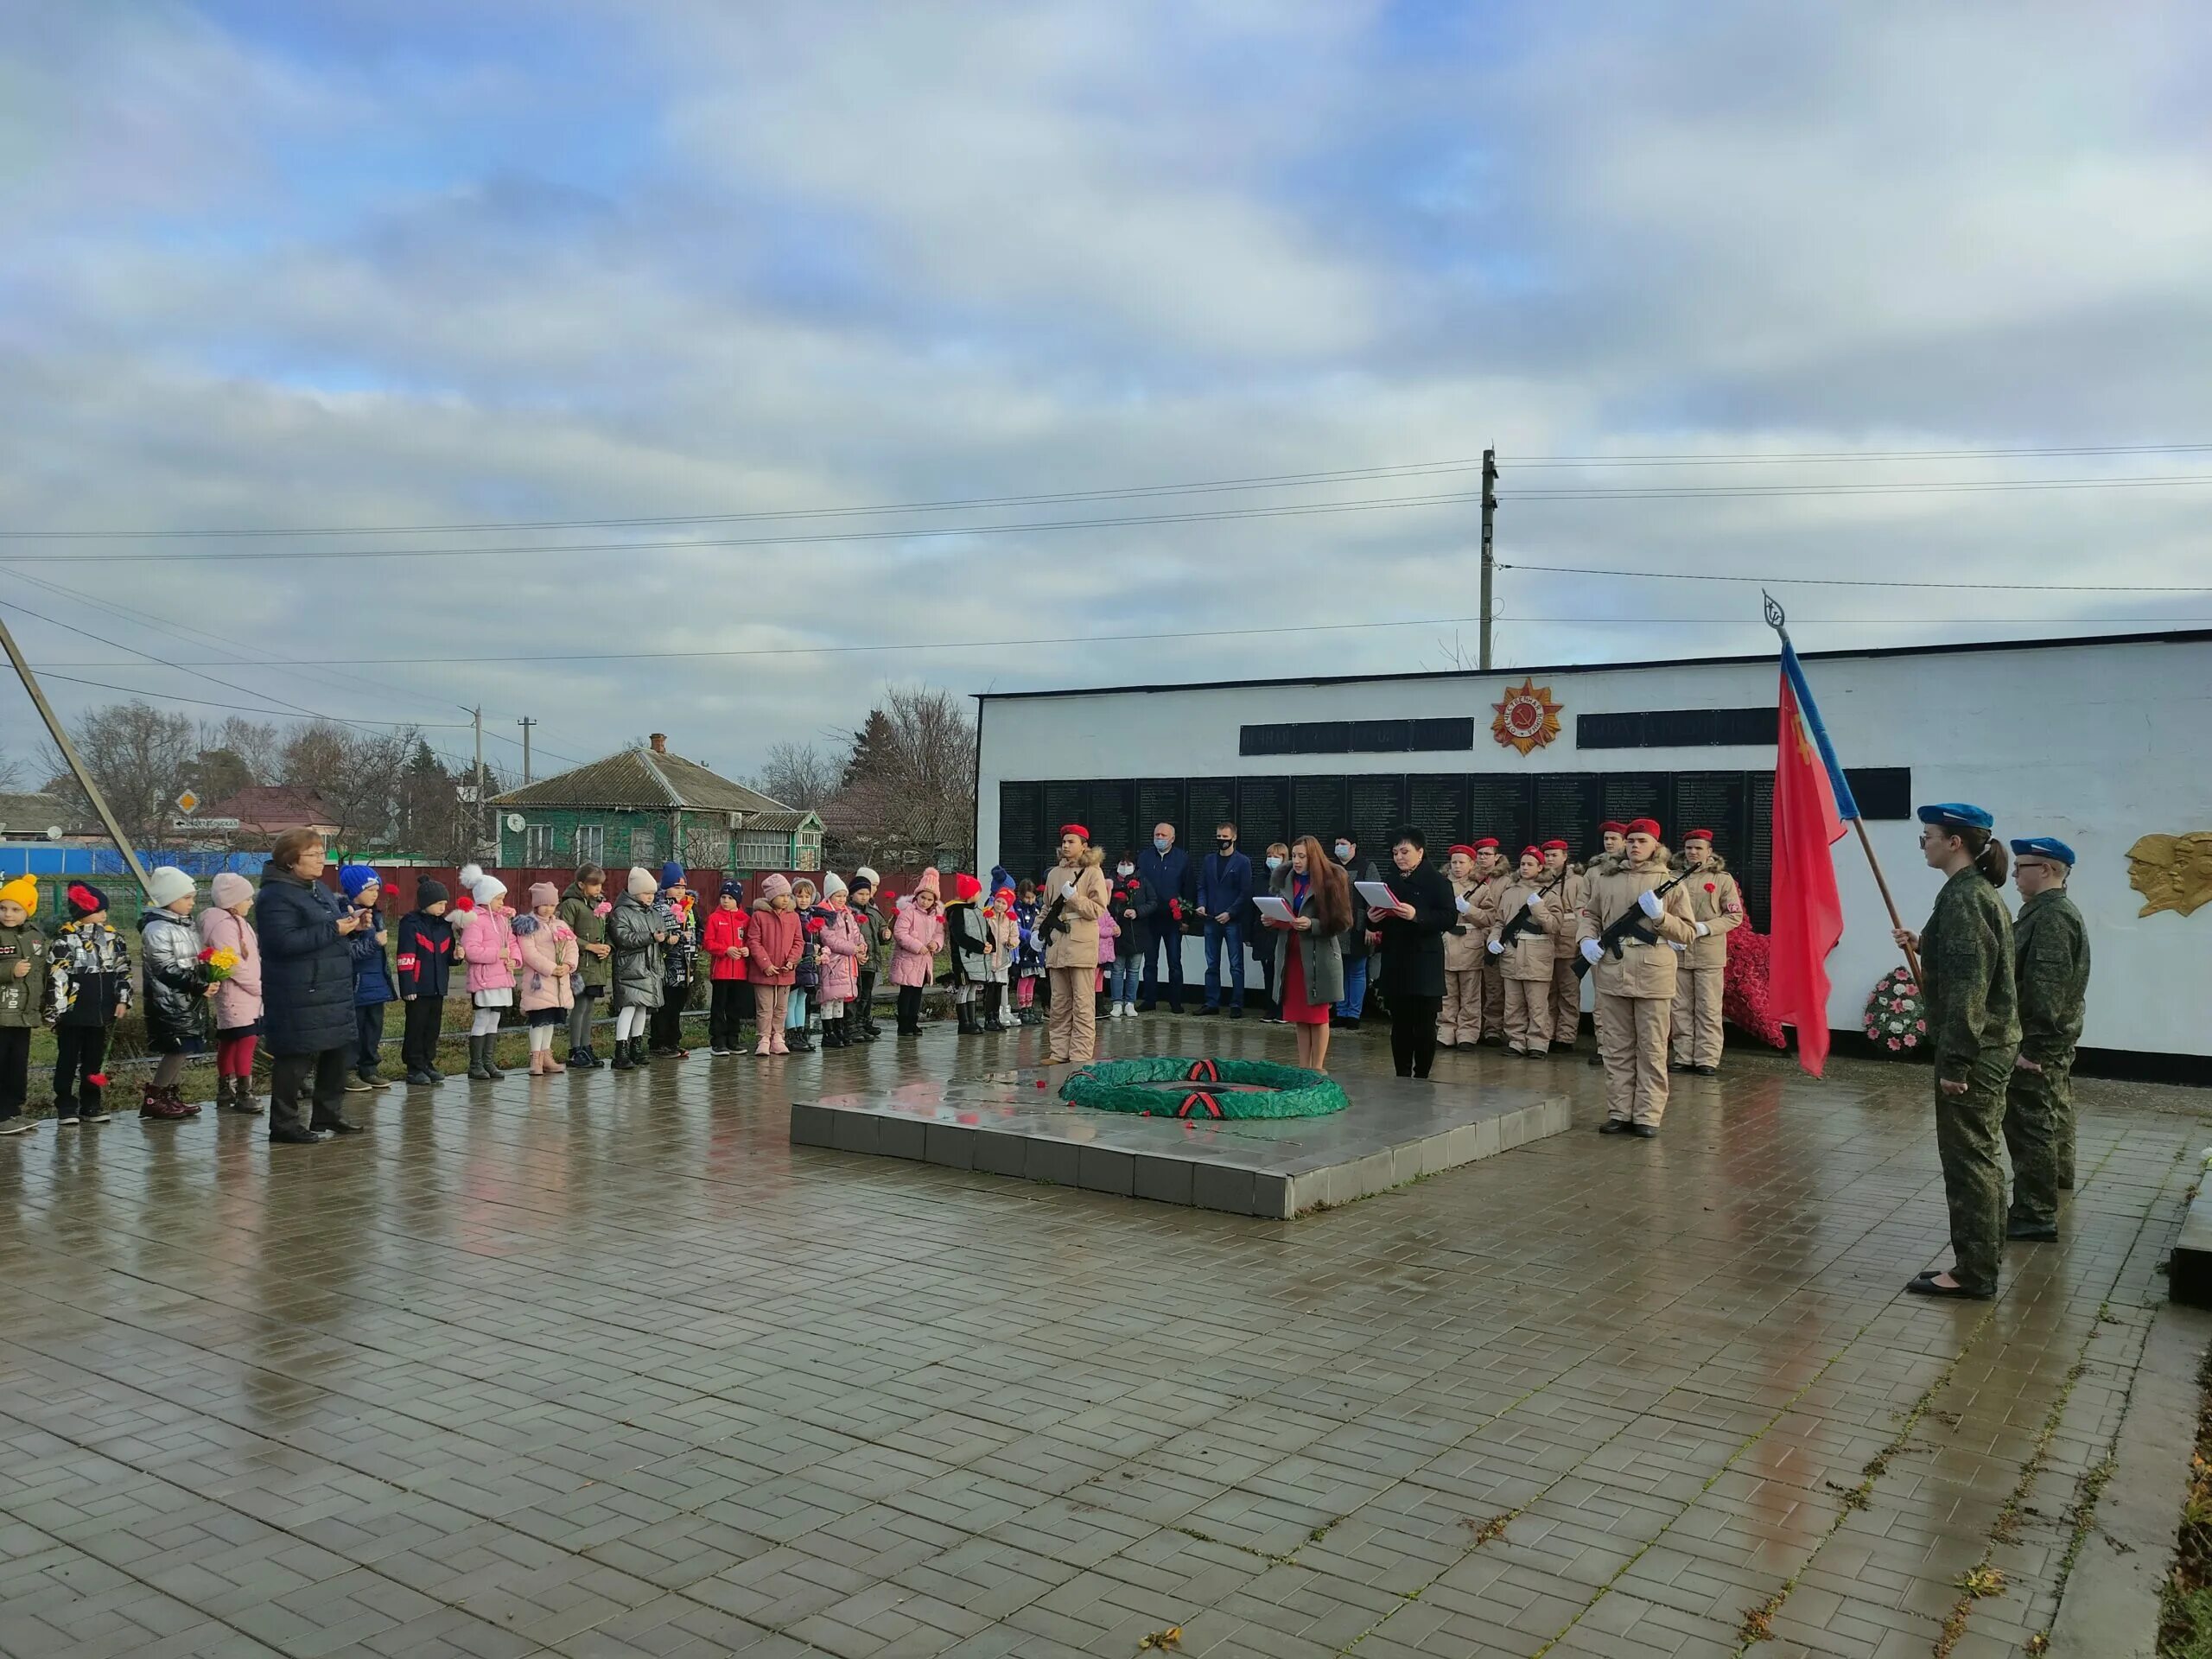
[1021, 831]
[1436, 804]
[1160, 800]
[1755, 870]
[1719, 801]
[1112, 807]
[1213, 801]
[1638, 795]
[1375, 805]
[1262, 813]
[1569, 805]
[1317, 808]
[1503, 804]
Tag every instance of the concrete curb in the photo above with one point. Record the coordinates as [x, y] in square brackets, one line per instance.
[2111, 1605]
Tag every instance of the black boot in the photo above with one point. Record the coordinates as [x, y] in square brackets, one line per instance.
[480, 1067]
[621, 1061]
[833, 1034]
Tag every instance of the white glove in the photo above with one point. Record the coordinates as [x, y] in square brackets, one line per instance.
[1650, 904]
[1590, 951]
[1702, 930]
[1464, 903]
[1536, 901]
[1495, 949]
[1677, 949]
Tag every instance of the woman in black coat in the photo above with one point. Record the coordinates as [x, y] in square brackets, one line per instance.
[1413, 953]
[307, 989]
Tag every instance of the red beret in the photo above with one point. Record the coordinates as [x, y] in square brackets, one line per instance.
[1612, 827]
[1697, 835]
[1486, 844]
[1644, 827]
[1550, 844]
[1460, 847]
[1535, 853]
[1075, 830]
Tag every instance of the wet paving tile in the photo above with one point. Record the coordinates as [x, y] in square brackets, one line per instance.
[601, 1365]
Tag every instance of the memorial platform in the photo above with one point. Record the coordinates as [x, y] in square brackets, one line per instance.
[1396, 1130]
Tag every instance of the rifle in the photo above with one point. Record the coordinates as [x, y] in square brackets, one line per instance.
[1632, 923]
[1524, 919]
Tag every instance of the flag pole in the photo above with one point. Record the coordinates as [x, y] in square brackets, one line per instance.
[1776, 619]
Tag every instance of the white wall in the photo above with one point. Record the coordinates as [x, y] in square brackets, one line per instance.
[2095, 744]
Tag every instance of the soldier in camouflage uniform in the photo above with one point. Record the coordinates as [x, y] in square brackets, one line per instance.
[1966, 966]
[2050, 965]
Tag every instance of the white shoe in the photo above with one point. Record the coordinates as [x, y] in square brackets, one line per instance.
[1113, 1010]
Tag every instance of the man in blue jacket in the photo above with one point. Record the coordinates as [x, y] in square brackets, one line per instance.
[1167, 867]
[1224, 886]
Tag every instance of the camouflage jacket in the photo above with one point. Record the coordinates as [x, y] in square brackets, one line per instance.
[2050, 964]
[1966, 965]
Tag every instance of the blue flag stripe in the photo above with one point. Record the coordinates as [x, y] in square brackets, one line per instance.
[1846, 807]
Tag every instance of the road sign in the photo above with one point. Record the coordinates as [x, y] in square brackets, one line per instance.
[187, 803]
[203, 823]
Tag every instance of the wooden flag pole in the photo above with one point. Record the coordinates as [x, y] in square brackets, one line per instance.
[1774, 619]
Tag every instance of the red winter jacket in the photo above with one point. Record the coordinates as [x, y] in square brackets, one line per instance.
[725, 931]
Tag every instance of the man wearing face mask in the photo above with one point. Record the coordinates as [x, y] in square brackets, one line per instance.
[1224, 887]
[1358, 957]
[1166, 869]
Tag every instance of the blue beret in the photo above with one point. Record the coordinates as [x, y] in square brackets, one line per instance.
[2045, 847]
[1956, 815]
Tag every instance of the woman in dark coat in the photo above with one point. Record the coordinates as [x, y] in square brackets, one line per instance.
[1413, 953]
[307, 989]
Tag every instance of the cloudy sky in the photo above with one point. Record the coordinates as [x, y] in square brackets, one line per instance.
[382, 265]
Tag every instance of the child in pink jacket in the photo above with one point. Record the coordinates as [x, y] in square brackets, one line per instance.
[549, 954]
[484, 927]
[223, 926]
[1108, 931]
[843, 943]
[916, 937]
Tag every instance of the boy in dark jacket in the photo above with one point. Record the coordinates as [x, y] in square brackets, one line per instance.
[372, 978]
[425, 965]
[968, 945]
[22, 981]
[87, 990]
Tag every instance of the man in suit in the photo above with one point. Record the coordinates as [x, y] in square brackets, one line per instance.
[1224, 888]
[1167, 867]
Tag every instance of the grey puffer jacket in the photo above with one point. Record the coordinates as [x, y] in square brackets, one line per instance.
[176, 984]
[631, 926]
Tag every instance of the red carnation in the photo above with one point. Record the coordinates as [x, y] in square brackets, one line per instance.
[208, 954]
[99, 1079]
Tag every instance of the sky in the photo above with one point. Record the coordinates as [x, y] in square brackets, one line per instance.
[374, 265]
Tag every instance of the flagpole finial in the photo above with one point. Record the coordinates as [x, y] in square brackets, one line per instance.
[1774, 618]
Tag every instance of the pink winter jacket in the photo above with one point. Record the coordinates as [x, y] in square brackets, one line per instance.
[238, 999]
[916, 937]
[1108, 931]
[487, 945]
[550, 955]
[842, 944]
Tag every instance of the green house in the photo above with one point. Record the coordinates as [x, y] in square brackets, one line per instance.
[642, 806]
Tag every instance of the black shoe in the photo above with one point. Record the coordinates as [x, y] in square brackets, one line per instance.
[421, 1080]
[2021, 1232]
[1205, 1013]
[339, 1126]
[621, 1062]
[1615, 1126]
[1644, 1131]
[796, 1041]
[291, 1134]
[1237, 1014]
[1925, 1284]
[832, 1037]
[1147, 1007]
[1706, 1071]
[479, 1071]
[1597, 1059]
[1681, 1067]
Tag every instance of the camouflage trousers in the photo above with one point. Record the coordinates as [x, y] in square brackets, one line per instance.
[1967, 1129]
[2039, 1134]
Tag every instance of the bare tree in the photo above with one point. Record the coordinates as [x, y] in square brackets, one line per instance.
[138, 757]
[257, 744]
[357, 774]
[11, 774]
[910, 784]
[799, 775]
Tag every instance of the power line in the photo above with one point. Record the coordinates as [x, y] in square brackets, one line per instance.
[1262, 481]
[921, 532]
[204, 702]
[1870, 581]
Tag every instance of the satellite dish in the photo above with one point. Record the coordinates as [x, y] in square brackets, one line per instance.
[54, 832]
[515, 821]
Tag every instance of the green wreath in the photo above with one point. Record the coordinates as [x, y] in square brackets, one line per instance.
[1166, 1086]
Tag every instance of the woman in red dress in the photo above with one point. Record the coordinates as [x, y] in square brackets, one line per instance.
[1309, 949]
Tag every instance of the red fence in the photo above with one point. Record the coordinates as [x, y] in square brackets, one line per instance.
[399, 881]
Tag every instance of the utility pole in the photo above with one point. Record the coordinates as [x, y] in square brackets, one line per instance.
[483, 817]
[1489, 561]
[69, 754]
[525, 722]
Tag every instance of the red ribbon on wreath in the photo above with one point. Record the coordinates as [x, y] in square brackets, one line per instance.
[1198, 1098]
[1205, 1071]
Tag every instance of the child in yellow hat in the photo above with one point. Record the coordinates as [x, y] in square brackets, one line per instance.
[22, 988]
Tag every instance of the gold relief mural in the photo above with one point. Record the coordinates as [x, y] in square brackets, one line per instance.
[2171, 871]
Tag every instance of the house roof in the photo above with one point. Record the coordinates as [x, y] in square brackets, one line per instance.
[784, 819]
[34, 814]
[271, 809]
[644, 780]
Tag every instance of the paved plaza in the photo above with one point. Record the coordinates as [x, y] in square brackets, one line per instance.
[602, 1365]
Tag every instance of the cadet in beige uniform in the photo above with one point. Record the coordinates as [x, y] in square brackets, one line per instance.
[1460, 1024]
[1567, 989]
[1071, 953]
[1636, 988]
[1612, 836]
[1526, 956]
[1701, 976]
[1490, 873]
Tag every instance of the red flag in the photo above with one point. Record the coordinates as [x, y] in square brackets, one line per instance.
[1808, 915]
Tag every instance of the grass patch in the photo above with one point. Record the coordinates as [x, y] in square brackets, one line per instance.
[2185, 1621]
